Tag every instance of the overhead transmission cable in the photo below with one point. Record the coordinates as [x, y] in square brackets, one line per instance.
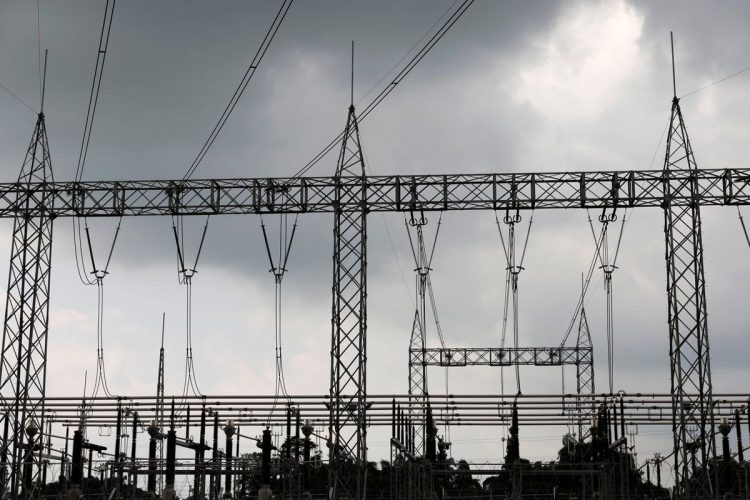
[582, 298]
[514, 266]
[400, 76]
[14, 96]
[424, 292]
[744, 229]
[97, 274]
[234, 99]
[608, 264]
[185, 276]
[278, 269]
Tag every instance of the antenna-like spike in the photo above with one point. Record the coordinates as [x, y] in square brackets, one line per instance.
[674, 78]
[44, 81]
[352, 79]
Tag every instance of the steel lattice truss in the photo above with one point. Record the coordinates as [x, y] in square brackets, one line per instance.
[637, 188]
[507, 356]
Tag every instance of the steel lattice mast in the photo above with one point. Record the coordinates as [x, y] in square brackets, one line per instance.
[348, 392]
[24, 350]
[585, 389]
[688, 328]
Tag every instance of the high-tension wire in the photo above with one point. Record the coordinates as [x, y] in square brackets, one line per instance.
[400, 76]
[608, 264]
[278, 269]
[101, 55]
[514, 266]
[234, 99]
[185, 277]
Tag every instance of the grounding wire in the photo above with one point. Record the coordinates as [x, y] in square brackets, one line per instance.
[14, 96]
[744, 229]
[413, 47]
[716, 82]
[423, 51]
[249, 73]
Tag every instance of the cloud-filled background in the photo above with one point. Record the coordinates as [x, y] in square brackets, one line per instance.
[513, 87]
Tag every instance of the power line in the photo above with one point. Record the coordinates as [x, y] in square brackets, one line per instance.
[249, 73]
[423, 51]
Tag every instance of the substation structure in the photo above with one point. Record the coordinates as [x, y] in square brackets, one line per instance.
[680, 189]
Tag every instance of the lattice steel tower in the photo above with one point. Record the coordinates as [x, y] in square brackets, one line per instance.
[24, 354]
[693, 421]
[348, 391]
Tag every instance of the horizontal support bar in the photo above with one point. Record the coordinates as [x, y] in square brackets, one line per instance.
[496, 356]
[396, 193]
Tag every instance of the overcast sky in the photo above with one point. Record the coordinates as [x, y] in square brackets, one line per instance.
[513, 87]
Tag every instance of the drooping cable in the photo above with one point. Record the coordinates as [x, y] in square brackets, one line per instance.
[249, 73]
[100, 378]
[514, 266]
[185, 276]
[608, 264]
[424, 292]
[278, 269]
[582, 298]
[400, 76]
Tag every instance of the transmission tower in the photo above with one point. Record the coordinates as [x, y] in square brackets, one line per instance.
[688, 330]
[24, 352]
[348, 391]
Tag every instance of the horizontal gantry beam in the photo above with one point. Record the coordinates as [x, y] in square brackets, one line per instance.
[495, 356]
[643, 188]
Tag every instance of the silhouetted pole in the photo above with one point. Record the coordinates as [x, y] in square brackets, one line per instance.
[307, 430]
[265, 466]
[229, 430]
[215, 459]
[133, 474]
[76, 473]
[117, 472]
[169, 493]
[153, 432]
[740, 452]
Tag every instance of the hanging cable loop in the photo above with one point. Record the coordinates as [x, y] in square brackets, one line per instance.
[513, 269]
[185, 276]
[278, 269]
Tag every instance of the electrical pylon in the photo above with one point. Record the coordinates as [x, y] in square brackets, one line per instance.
[348, 389]
[693, 420]
[24, 350]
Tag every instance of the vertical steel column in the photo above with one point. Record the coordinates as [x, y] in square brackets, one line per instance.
[348, 389]
[24, 349]
[417, 342]
[693, 420]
